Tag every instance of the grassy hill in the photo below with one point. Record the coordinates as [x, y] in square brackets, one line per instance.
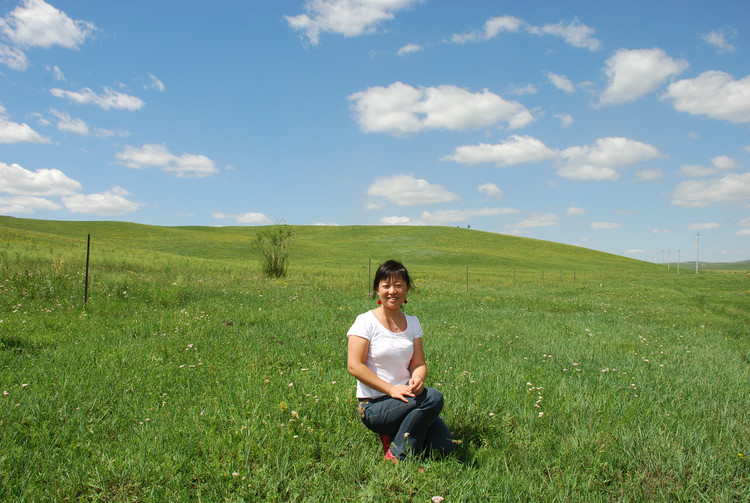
[743, 265]
[331, 246]
[188, 376]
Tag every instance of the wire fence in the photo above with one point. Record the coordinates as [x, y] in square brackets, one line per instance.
[469, 277]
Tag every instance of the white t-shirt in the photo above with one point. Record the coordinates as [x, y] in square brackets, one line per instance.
[389, 353]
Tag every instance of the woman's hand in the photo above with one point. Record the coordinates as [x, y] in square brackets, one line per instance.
[401, 391]
[416, 385]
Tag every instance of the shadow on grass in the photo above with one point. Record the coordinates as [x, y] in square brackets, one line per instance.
[18, 345]
[469, 438]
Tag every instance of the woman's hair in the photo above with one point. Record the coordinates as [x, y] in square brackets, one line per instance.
[390, 269]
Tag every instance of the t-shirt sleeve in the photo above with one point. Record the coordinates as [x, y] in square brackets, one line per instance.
[417, 327]
[360, 328]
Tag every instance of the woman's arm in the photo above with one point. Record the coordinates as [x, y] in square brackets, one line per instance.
[418, 368]
[356, 365]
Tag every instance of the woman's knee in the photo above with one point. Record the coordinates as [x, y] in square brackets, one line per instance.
[433, 399]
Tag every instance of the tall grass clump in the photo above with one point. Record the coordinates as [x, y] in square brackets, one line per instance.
[273, 244]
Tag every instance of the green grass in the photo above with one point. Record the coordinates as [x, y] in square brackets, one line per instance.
[743, 265]
[189, 376]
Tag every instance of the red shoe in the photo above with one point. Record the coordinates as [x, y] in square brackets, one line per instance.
[390, 457]
[386, 443]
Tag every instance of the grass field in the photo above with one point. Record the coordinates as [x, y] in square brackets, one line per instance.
[569, 375]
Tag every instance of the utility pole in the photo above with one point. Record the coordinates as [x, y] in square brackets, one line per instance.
[697, 250]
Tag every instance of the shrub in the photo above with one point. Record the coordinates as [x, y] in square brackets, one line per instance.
[274, 244]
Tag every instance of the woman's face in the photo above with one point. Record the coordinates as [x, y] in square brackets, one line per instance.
[392, 292]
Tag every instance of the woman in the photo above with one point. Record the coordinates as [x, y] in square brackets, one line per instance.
[387, 358]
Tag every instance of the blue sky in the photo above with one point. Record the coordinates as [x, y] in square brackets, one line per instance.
[617, 126]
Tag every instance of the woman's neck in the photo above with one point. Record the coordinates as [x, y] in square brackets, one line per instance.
[393, 318]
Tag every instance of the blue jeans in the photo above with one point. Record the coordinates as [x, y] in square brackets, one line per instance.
[414, 426]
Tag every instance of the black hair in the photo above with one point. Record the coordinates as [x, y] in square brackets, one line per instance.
[389, 269]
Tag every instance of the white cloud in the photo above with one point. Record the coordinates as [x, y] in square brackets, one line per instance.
[491, 190]
[589, 162]
[566, 120]
[447, 217]
[13, 58]
[371, 204]
[106, 133]
[109, 99]
[66, 123]
[703, 226]
[718, 39]
[14, 179]
[522, 90]
[615, 151]
[406, 190]
[36, 23]
[56, 72]
[25, 204]
[111, 202]
[147, 155]
[724, 163]
[191, 166]
[13, 132]
[444, 217]
[633, 73]
[696, 170]
[574, 33]
[713, 93]
[398, 221]
[718, 164]
[701, 193]
[409, 49]
[597, 161]
[561, 82]
[156, 83]
[184, 166]
[742, 232]
[515, 150]
[647, 175]
[588, 172]
[497, 25]
[575, 210]
[350, 18]
[401, 108]
[245, 218]
[493, 27]
[539, 220]
[604, 225]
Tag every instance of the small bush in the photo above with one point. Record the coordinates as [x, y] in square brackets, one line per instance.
[273, 244]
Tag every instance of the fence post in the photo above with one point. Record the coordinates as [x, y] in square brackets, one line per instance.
[86, 286]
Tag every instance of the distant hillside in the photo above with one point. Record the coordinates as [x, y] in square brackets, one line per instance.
[720, 266]
[331, 245]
